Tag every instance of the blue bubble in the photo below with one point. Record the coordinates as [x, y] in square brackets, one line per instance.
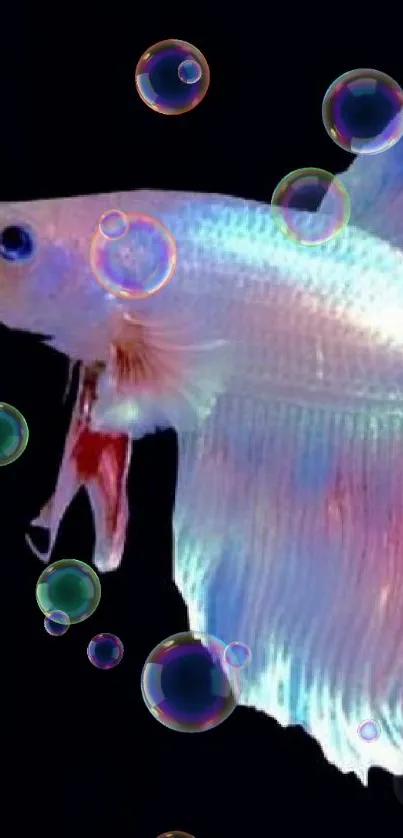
[105, 651]
[369, 730]
[187, 685]
[57, 623]
[172, 77]
[189, 71]
[362, 111]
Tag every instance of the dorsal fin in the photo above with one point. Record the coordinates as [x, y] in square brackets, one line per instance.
[375, 186]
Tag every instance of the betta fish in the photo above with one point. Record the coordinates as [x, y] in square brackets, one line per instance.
[280, 367]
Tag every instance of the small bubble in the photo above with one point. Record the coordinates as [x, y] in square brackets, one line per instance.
[296, 198]
[172, 77]
[186, 684]
[105, 651]
[57, 623]
[362, 111]
[14, 434]
[138, 263]
[113, 224]
[369, 730]
[237, 654]
[189, 71]
[70, 586]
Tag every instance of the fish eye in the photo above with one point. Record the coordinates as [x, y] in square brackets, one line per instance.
[16, 243]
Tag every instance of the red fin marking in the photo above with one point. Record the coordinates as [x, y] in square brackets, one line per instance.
[100, 463]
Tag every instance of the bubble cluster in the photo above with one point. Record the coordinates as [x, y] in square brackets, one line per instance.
[369, 730]
[296, 198]
[172, 77]
[105, 651]
[139, 262]
[113, 224]
[187, 685]
[56, 623]
[237, 654]
[362, 111]
[14, 434]
[70, 586]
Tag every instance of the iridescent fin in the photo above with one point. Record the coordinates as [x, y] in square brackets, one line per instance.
[289, 538]
[99, 462]
[375, 186]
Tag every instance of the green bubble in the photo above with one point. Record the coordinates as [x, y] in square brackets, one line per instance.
[14, 434]
[69, 586]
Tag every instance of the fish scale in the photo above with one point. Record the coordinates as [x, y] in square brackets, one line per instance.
[281, 369]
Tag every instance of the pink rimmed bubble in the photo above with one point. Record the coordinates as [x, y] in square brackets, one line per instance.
[187, 685]
[138, 263]
[238, 654]
[296, 198]
[362, 111]
[113, 224]
[172, 77]
[105, 651]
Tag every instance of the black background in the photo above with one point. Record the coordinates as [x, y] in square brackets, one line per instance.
[80, 754]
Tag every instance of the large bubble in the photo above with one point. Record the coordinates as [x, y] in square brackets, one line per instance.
[362, 111]
[187, 684]
[69, 586]
[172, 77]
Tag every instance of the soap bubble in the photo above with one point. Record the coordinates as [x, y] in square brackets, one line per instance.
[369, 730]
[70, 586]
[57, 623]
[296, 198]
[105, 651]
[189, 71]
[237, 654]
[187, 685]
[14, 434]
[139, 262]
[362, 111]
[113, 224]
[172, 77]
[175, 834]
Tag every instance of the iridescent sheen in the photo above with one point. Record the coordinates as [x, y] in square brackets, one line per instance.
[172, 77]
[187, 685]
[369, 730]
[237, 654]
[14, 434]
[362, 111]
[113, 224]
[69, 586]
[137, 263]
[57, 623]
[189, 71]
[304, 190]
[105, 651]
[175, 834]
